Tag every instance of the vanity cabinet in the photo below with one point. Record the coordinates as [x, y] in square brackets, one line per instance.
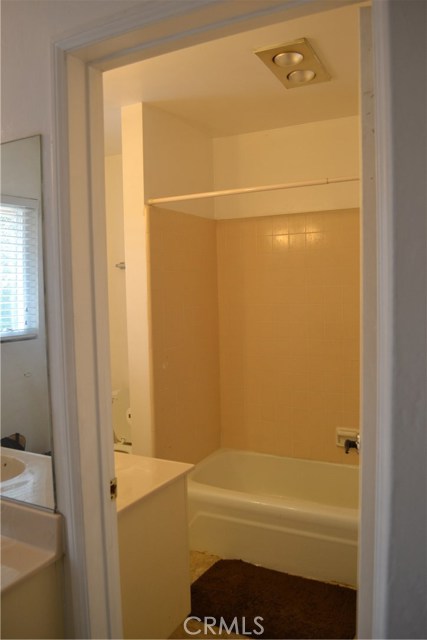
[32, 588]
[153, 545]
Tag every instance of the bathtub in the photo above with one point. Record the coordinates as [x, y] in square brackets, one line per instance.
[292, 515]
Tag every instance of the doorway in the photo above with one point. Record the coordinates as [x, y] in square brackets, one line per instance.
[161, 173]
[78, 69]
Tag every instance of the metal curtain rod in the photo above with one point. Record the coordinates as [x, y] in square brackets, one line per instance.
[231, 192]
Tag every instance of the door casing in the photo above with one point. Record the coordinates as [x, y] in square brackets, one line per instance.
[83, 453]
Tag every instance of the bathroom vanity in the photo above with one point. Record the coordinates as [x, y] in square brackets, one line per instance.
[153, 544]
[31, 572]
[27, 477]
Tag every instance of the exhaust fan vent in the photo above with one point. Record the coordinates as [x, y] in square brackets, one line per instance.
[295, 64]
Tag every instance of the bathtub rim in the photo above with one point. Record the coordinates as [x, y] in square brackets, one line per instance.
[222, 450]
[292, 508]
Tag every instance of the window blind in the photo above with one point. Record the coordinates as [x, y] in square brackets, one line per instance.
[19, 258]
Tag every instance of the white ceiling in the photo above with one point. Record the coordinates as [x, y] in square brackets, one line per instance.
[223, 88]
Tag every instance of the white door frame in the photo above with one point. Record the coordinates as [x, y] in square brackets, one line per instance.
[83, 448]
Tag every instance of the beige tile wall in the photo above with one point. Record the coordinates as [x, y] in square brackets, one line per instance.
[184, 313]
[289, 332]
[284, 373]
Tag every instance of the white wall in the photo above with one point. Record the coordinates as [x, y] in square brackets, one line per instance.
[177, 160]
[26, 70]
[312, 151]
[117, 295]
[25, 405]
[137, 298]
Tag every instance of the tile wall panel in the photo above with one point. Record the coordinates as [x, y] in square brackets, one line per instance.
[184, 325]
[279, 372]
[289, 332]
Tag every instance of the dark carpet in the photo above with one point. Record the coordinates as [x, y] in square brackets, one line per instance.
[237, 594]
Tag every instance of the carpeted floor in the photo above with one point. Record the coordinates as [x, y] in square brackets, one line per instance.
[261, 603]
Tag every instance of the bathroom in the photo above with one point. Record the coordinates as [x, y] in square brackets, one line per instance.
[251, 341]
[63, 46]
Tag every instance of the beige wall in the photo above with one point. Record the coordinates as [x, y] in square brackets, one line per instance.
[289, 332]
[287, 300]
[184, 312]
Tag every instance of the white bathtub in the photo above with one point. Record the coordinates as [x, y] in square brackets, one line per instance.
[296, 516]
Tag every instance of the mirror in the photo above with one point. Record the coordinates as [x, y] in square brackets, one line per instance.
[26, 463]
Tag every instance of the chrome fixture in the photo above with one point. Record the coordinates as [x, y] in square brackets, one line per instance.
[295, 64]
[352, 444]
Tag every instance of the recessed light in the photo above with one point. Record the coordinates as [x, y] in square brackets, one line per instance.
[287, 58]
[301, 75]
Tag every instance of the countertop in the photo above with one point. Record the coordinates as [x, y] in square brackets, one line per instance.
[138, 477]
[31, 540]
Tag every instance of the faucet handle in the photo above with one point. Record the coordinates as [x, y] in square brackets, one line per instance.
[352, 444]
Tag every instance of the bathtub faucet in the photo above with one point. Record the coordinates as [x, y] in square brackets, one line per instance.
[352, 444]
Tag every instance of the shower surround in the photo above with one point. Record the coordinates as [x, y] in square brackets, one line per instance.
[255, 333]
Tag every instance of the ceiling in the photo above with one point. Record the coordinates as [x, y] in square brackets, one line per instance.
[224, 89]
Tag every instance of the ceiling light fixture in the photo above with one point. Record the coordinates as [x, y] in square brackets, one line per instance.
[287, 58]
[301, 75]
[295, 64]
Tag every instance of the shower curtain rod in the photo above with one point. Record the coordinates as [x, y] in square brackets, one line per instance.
[231, 192]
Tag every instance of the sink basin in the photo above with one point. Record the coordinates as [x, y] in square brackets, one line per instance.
[11, 467]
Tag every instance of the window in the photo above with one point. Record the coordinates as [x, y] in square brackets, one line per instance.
[19, 258]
